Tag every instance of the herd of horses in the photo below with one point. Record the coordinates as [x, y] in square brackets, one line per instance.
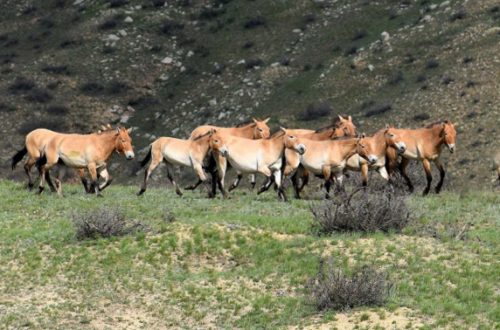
[248, 148]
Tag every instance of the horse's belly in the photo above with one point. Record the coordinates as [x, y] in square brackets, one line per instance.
[73, 159]
[179, 160]
[242, 167]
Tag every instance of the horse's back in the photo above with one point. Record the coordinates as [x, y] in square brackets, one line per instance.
[200, 130]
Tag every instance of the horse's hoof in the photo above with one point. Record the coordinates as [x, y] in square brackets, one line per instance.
[179, 193]
[189, 188]
[100, 195]
[141, 192]
[425, 192]
[30, 186]
[40, 190]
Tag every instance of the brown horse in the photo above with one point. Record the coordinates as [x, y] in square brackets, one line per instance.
[323, 158]
[256, 129]
[423, 144]
[342, 126]
[371, 155]
[172, 151]
[90, 151]
[263, 156]
[35, 144]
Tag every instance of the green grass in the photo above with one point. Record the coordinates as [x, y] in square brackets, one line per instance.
[241, 262]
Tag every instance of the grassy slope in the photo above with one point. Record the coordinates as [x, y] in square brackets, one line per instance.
[237, 263]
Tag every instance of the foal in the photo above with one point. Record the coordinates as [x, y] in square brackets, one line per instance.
[424, 144]
[172, 151]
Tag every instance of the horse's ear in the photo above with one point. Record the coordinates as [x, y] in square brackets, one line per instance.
[255, 120]
[130, 130]
[340, 117]
[387, 126]
[283, 129]
[349, 118]
[117, 130]
[266, 120]
[363, 135]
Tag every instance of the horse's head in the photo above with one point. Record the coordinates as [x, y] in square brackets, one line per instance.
[366, 149]
[449, 135]
[261, 130]
[123, 142]
[292, 142]
[393, 139]
[345, 127]
[217, 143]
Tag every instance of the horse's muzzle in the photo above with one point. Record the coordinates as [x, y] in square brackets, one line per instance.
[129, 155]
[372, 159]
[451, 147]
[301, 149]
[401, 147]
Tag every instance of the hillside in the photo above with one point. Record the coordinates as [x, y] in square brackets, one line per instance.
[165, 67]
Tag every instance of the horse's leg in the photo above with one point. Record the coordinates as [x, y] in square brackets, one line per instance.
[92, 168]
[253, 181]
[107, 178]
[44, 171]
[304, 179]
[428, 174]
[295, 184]
[327, 171]
[170, 177]
[364, 174]
[155, 161]
[198, 168]
[269, 181]
[220, 175]
[27, 168]
[236, 181]
[278, 182]
[81, 173]
[442, 173]
[402, 169]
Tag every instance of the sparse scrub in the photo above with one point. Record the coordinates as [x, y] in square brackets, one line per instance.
[21, 84]
[378, 109]
[170, 27]
[315, 111]
[361, 211]
[432, 63]
[158, 3]
[351, 51]
[447, 80]
[117, 87]
[209, 13]
[334, 289]
[4, 107]
[421, 117]
[254, 22]
[253, 63]
[117, 3]
[56, 69]
[39, 95]
[92, 88]
[104, 222]
[396, 79]
[359, 35]
[57, 110]
[108, 24]
[459, 15]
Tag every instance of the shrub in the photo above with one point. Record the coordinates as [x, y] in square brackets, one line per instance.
[158, 3]
[459, 15]
[254, 22]
[447, 80]
[92, 88]
[421, 117]
[378, 109]
[29, 10]
[21, 84]
[57, 110]
[254, 62]
[208, 13]
[117, 3]
[315, 111]
[248, 44]
[432, 64]
[396, 78]
[69, 43]
[56, 69]
[309, 18]
[6, 108]
[104, 222]
[169, 27]
[421, 78]
[468, 59]
[359, 35]
[202, 51]
[332, 289]
[117, 87]
[351, 51]
[361, 212]
[109, 24]
[39, 95]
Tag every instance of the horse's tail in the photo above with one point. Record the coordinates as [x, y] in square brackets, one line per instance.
[146, 159]
[18, 156]
[41, 161]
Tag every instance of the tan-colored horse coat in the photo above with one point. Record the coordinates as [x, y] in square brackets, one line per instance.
[425, 145]
[188, 153]
[85, 151]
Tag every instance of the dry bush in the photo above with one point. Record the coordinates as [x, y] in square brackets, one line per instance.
[331, 288]
[361, 211]
[315, 111]
[104, 222]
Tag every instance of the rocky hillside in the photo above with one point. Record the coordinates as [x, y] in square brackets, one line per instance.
[165, 67]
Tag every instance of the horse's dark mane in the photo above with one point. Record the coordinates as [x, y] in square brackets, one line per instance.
[276, 134]
[201, 136]
[335, 124]
[343, 138]
[439, 122]
[246, 123]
